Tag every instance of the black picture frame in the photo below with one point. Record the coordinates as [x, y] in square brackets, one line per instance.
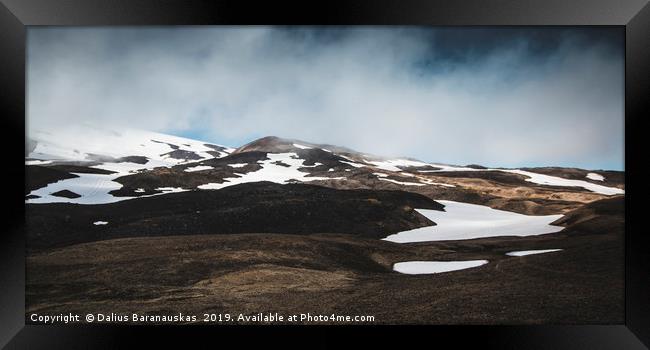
[634, 16]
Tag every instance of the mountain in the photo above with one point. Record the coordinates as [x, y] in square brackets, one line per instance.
[102, 167]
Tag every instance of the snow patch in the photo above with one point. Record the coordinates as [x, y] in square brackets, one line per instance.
[461, 221]
[430, 182]
[301, 146]
[596, 177]
[393, 164]
[198, 168]
[238, 165]
[171, 189]
[93, 189]
[97, 223]
[429, 267]
[37, 162]
[531, 252]
[402, 183]
[356, 165]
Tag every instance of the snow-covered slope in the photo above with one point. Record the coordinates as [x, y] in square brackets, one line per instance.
[123, 153]
[85, 143]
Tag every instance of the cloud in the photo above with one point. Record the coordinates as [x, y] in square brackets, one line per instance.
[388, 91]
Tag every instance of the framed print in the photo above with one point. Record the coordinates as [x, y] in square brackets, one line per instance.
[470, 172]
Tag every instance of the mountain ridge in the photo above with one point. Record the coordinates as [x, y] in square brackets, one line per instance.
[146, 164]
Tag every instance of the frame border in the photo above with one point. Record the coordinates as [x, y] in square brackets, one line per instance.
[633, 15]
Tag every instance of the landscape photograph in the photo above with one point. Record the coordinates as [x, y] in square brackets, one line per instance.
[383, 175]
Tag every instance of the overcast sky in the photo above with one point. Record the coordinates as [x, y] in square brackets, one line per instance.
[502, 97]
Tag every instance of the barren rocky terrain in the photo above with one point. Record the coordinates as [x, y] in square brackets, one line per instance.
[344, 274]
[171, 225]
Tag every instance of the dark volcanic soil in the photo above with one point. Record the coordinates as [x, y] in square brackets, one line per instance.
[343, 274]
[38, 176]
[294, 209]
[66, 194]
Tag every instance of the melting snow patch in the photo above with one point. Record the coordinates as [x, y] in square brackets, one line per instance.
[468, 221]
[214, 186]
[531, 252]
[356, 165]
[170, 189]
[596, 177]
[445, 167]
[139, 190]
[428, 267]
[301, 146]
[392, 165]
[97, 223]
[429, 182]
[93, 188]
[37, 162]
[238, 165]
[198, 168]
[402, 183]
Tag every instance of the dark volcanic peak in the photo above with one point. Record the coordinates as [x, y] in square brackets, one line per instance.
[305, 150]
[271, 144]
